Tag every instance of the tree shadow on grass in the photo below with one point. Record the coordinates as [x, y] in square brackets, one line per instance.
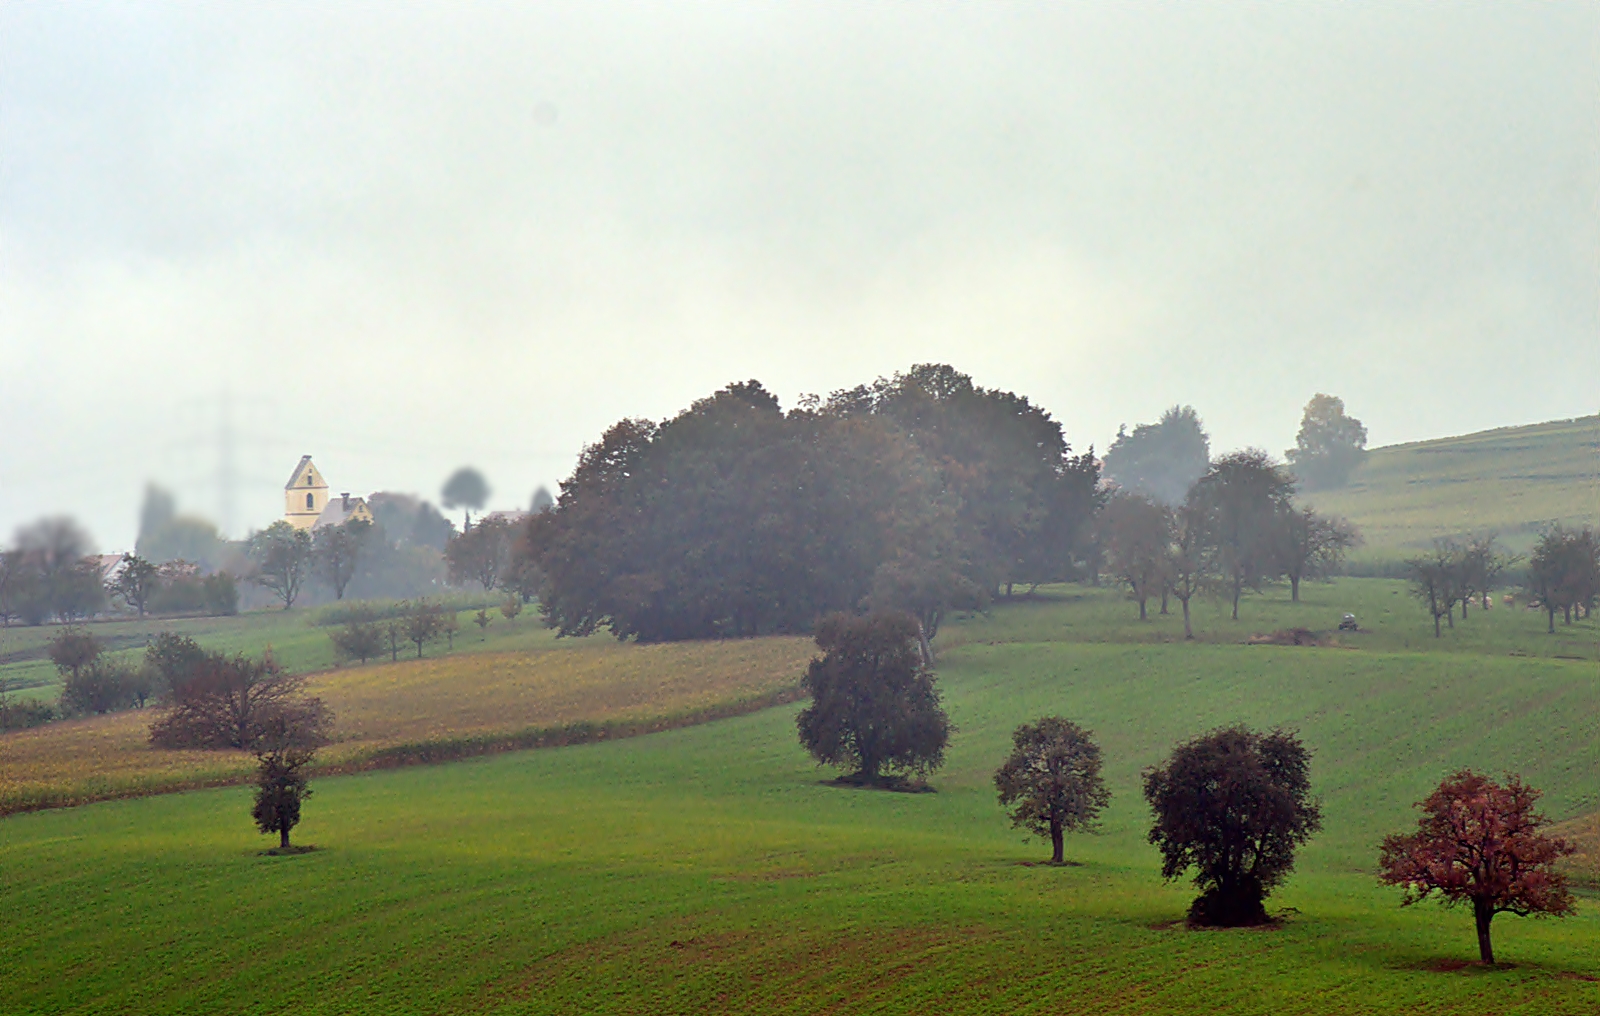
[893, 784]
[287, 851]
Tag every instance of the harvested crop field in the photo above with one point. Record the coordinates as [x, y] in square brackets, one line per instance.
[427, 710]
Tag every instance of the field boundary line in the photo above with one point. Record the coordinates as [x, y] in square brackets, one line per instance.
[433, 751]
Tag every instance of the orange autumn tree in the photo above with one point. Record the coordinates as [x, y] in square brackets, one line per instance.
[1480, 842]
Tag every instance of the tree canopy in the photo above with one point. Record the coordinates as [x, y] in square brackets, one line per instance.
[1480, 842]
[1051, 780]
[1232, 804]
[874, 709]
[921, 492]
[1329, 446]
[1161, 460]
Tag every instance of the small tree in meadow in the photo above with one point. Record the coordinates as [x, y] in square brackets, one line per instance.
[874, 708]
[1051, 781]
[283, 748]
[74, 649]
[1233, 805]
[135, 582]
[359, 639]
[424, 623]
[510, 608]
[1479, 842]
[481, 619]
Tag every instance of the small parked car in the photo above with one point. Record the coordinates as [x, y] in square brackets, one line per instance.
[1349, 623]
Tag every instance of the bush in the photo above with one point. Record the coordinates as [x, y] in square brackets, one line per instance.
[358, 640]
[24, 713]
[102, 686]
[225, 702]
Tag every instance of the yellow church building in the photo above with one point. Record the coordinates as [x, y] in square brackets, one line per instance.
[306, 504]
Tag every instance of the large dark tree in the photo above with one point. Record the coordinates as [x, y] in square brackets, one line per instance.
[1482, 843]
[1161, 460]
[1330, 444]
[1023, 502]
[56, 576]
[921, 492]
[482, 554]
[1244, 498]
[1051, 781]
[283, 560]
[874, 709]
[732, 519]
[1135, 532]
[1310, 545]
[1233, 805]
[336, 551]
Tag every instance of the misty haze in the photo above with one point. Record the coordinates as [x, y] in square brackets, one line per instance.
[800, 507]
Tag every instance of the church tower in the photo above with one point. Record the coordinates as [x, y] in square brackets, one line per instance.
[305, 495]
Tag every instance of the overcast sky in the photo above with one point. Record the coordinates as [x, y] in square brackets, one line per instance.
[407, 237]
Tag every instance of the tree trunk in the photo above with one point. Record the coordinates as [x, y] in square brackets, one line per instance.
[1142, 615]
[1236, 603]
[1482, 914]
[1056, 855]
[1164, 599]
[1436, 632]
[1450, 615]
[283, 838]
[1294, 589]
[1188, 632]
[1466, 601]
[1552, 612]
[1567, 610]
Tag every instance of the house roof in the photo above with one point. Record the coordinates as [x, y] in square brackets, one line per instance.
[304, 460]
[338, 511]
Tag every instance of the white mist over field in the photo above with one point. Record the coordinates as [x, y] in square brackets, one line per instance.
[409, 237]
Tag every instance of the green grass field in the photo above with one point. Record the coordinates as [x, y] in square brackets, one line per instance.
[710, 869]
[1514, 480]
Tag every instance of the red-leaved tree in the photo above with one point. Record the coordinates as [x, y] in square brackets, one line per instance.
[1480, 842]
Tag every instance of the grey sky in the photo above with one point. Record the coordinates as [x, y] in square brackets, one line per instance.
[403, 238]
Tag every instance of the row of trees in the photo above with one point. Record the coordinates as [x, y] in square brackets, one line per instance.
[1232, 805]
[364, 635]
[1236, 528]
[1562, 575]
[922, 492]
[1456, 573]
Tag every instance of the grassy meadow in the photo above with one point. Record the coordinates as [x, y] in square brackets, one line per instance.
[297, 641]
[1513, 480]
[712, 869]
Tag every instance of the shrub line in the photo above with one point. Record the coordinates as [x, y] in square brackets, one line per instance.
[430, 752]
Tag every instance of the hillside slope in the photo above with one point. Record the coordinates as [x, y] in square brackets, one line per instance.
[1514, 480]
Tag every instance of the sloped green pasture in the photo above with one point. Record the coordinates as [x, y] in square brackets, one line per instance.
[710, 869]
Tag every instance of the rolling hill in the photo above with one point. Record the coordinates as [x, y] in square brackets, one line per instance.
[1513, 480]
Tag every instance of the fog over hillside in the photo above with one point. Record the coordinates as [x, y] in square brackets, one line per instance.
[405, 239]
